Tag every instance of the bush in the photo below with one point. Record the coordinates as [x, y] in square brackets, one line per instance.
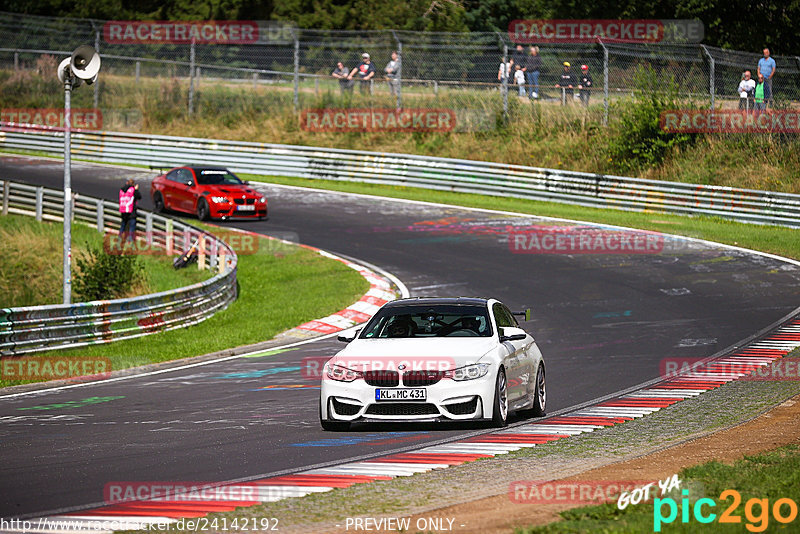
[103, 276]
[639, 141]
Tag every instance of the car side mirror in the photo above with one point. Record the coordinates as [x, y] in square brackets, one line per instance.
[510, 333]
[345, 339]
[189, 183]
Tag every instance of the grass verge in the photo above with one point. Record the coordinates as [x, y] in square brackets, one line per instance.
[31, 263]
[280, 288]
[773, 239]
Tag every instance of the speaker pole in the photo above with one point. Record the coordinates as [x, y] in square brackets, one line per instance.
[67, 291]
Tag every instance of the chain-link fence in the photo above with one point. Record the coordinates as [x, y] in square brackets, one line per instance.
[472, 74]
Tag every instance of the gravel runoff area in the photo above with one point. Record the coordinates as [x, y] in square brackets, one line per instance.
[476, 495]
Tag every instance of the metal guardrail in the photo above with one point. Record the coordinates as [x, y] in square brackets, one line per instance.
[486, 178]
[37, 328]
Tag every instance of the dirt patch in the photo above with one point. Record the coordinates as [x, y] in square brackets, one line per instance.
[499, 514]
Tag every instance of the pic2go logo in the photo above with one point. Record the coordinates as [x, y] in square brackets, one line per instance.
[756, 511]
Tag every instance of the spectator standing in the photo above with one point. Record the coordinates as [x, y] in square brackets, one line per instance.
[129, 197]
[533, 64]
[585, 85]
[505, 70]
[365, 71]
[519, 79]
[766, 66]
[519, 56]
[392, 71]
[760, 100]
[340, 72]
[746, 89]
[566, 83]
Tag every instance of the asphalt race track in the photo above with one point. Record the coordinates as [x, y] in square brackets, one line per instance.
[604, 322]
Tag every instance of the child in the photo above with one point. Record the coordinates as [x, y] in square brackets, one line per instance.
[519, 79]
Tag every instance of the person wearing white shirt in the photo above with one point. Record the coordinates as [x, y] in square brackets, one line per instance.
[519, 79]
[747, 90]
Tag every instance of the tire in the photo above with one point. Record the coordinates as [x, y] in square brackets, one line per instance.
[332, 426]
[540, 394]
[500, 405]
[158, 203]
[202, 210]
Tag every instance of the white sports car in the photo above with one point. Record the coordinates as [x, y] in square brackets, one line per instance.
[434, 359]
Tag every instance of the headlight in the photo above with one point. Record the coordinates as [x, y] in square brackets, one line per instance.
[262, 200]
[220, 200]
[341, 374]
[469, 372]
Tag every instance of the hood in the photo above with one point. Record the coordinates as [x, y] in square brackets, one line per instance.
[439, 353]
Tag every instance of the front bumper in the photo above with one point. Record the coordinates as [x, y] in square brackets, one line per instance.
[447, 400]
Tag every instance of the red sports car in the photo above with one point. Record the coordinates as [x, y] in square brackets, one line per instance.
[208, 192]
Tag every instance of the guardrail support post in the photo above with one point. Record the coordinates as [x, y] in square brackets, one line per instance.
[201, 253]
[6, 191]
[169, 238]
[101, 222]
[212, 257]
[39, 202]
[148, 227]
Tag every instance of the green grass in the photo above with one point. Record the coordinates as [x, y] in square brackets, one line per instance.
[773, 239]
[280, 287]
[31, 263]
[771, 475]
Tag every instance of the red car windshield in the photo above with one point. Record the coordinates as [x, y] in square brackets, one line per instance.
[216, 177]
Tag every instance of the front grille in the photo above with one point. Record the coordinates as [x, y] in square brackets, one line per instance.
[421, 378]
[250, 201]
[402, 408]
[343, 408]
[463, 408]
[383, 379]
[239, 200]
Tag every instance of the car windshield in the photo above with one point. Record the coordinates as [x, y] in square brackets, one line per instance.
[418, 321]
[216, 177]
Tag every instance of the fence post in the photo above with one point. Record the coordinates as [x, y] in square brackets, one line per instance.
[39, 202]
[605, 82]
[16, 60]
[138, 70]
[191, 77]
[255, 80]
[504, 88]
[711, 74]
[96, 98]
[6, 192]
[396, 82]
[148, 227]
[101, 219]
[296, 71]
[212, 257]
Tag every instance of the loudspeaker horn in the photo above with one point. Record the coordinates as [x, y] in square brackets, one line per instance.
[85, 63]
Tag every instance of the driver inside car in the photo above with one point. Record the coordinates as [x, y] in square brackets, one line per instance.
[400, 327]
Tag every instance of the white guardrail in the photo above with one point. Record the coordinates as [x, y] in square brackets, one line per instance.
[37, 328]
[497, 179]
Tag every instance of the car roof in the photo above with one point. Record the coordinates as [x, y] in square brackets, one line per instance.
[433, 301]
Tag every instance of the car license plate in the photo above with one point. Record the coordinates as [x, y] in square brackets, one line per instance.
[400, 394]
[246, 207]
